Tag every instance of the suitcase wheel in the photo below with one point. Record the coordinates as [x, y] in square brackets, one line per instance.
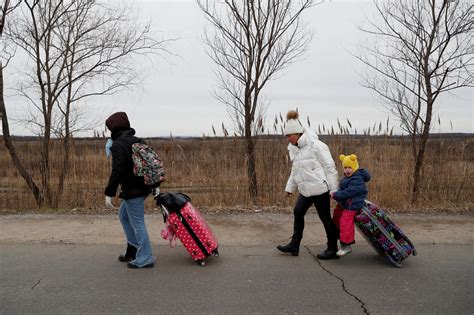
[393, 261]
[215, 253]
[201, 263]
[414, 252]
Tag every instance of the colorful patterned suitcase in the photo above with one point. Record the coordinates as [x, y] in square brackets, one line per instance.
[384, 235]
[189, 226]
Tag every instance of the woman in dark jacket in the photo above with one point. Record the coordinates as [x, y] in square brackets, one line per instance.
[133, 193]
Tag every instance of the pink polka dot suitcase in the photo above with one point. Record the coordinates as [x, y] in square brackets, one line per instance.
[194, 233]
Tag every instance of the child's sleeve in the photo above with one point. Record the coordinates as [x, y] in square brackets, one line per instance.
[354, 188]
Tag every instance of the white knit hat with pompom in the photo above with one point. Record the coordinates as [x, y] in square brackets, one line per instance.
[293, 125]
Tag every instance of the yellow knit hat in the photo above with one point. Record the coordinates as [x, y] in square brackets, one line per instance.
[349, 161]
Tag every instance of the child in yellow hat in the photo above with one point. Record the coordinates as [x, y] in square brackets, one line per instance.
[350, 198]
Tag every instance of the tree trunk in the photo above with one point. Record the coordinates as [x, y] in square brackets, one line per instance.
[64, 172]
[66, 144]
[251, 165]
[39, 198]
[417, 178]
[44, 169]
[251, 170]
[417, 172]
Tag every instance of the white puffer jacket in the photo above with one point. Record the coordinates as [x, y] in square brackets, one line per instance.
[313, 170]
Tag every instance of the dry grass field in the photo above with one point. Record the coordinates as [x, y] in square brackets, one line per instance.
[213, 172]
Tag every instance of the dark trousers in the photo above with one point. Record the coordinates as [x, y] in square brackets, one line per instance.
[322, 204]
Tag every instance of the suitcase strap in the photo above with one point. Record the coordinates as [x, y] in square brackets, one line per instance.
[384, 231]
[193, 235]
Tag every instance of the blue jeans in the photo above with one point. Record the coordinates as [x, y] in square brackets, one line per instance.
[132, 217]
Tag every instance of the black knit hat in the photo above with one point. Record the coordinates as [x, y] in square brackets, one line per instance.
[118, 121]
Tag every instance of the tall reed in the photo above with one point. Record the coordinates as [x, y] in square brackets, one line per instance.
[212, 170]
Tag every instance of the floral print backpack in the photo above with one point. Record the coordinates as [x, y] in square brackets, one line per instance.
[148, 164]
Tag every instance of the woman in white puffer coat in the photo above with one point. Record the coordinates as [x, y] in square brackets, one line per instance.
[314, 175]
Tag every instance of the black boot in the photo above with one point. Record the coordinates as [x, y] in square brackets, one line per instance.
[292, 248]
[129, 254]
[328, 254]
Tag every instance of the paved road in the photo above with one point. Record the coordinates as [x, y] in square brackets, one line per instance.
[88, 279]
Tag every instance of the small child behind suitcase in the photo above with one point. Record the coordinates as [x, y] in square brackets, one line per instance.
[350, 199]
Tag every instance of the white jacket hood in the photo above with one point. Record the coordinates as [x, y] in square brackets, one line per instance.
[308, 137]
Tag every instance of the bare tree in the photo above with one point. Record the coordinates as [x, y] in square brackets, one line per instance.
[252, 41]
[423, 49]
[79, 49]
[6, 10]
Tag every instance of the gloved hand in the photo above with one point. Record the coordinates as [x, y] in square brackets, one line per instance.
[108, 202]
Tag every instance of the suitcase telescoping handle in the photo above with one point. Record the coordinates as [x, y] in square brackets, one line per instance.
[155, 192]
[164, 212]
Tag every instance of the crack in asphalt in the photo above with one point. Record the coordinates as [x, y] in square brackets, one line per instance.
[34, 286]
[343, 284]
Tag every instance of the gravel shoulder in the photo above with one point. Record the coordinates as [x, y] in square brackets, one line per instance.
[258, 228]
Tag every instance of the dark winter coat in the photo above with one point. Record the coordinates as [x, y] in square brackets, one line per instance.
[352, 190]
[122, 166]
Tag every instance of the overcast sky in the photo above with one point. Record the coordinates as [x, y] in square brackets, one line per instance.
[176, 94]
